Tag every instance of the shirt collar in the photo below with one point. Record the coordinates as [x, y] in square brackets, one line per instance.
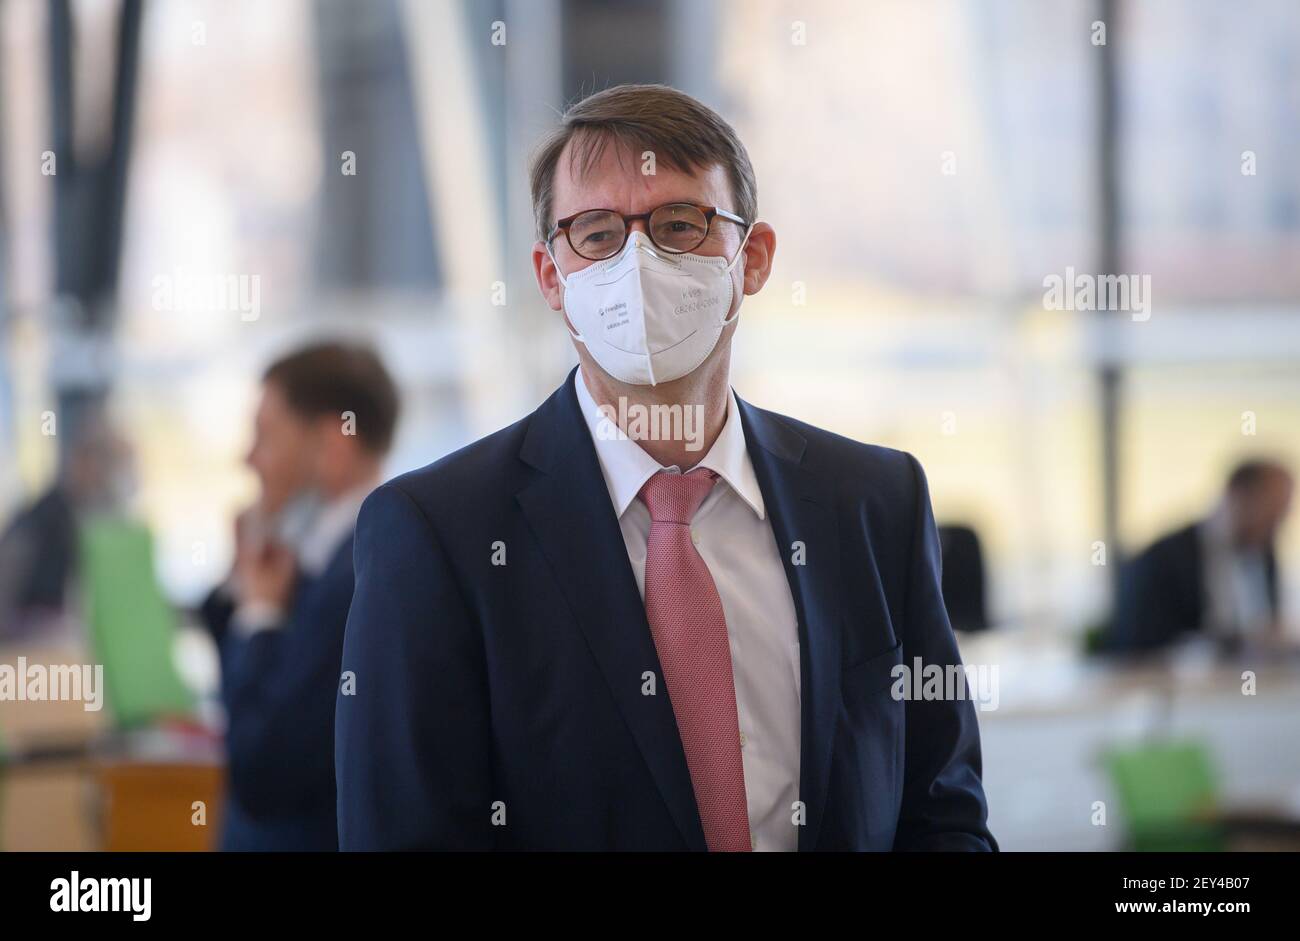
[626, 466]
[331, 528]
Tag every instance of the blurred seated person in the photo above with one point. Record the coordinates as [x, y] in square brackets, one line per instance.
[39, 547]
[323, 425]
[1217, 576]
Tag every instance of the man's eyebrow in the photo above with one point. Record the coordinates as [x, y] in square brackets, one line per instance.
[690, 200]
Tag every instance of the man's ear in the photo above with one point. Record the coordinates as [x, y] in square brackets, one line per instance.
[336, 436]
[759, 252]
[548, 278]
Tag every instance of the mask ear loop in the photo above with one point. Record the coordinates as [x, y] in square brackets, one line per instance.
[732, 264]
[560, 274]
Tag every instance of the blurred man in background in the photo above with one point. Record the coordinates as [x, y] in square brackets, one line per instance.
[324, 423]
[1217, 576]
[39, 547]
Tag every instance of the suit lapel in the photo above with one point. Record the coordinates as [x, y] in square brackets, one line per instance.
[568, 508]
[801, 507]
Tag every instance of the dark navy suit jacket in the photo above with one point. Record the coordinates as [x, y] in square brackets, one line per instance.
[278, 687]
[515, 689]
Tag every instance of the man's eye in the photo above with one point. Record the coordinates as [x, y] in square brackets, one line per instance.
[678, 228]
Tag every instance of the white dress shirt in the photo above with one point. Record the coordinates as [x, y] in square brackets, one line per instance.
[735, 539]
[1236, 580]
[331, 528]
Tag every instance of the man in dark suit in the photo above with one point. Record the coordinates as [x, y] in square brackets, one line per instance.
[325, 421]
[651, 616]
[1216, 577]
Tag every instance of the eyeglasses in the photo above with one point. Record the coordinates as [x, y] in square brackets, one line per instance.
[677, 228]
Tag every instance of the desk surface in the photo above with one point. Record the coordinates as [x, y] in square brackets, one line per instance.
[1058, 711]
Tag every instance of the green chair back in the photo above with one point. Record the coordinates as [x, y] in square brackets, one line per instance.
[1168, 792]
[131, 625]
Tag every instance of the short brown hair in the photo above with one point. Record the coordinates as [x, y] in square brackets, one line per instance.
[683, 133]
[1250, 473]
[330, 378]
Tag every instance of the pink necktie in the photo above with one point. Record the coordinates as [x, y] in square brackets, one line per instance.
[690, 634]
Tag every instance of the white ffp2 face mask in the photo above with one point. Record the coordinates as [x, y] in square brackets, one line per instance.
[649, 316]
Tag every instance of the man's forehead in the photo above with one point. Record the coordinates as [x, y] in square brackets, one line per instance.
[617, 179]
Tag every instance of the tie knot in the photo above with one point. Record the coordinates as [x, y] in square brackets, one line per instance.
[674, 498]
